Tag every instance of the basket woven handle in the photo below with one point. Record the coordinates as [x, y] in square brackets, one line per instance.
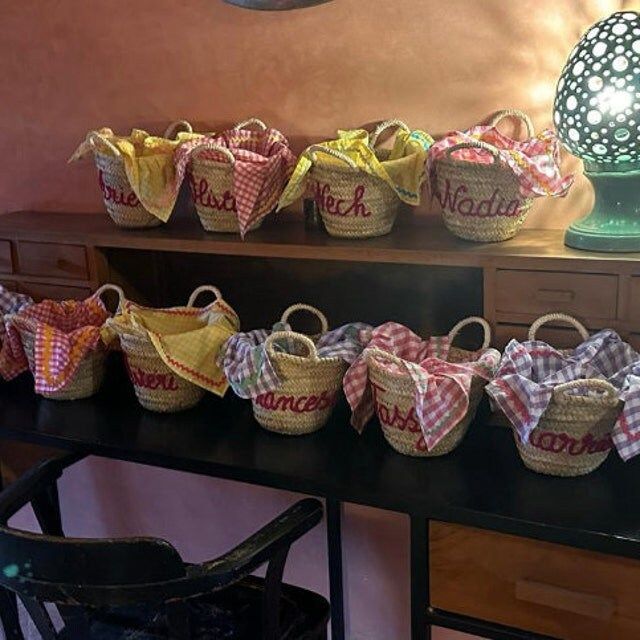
[609, 393]
[269, 345]
[205, 287]
[383, 126]
[92, 136]
[486, 327]
[324, 323]
[174, 127]
[245, 123]
[475, 144]
[513, 113]
[557, 317]
[211, 146]
[112, 287]
[318, 148]
[376, 352]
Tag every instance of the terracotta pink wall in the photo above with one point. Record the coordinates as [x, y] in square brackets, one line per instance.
[71, 65]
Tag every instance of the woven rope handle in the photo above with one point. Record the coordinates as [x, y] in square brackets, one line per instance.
[92, 136]
[205, 287]
[375, 352]
[269, 345]
[609, 394]
[557, 317]
[475, 144]
[318, 148]
[513, 113]
[174, 127]
[112, 287]
[486, 328]
[245, 123]
[211, 146]
[383, 126]
[324, 323]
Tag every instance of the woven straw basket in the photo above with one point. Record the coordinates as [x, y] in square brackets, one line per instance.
[573, 436]
[310, 384]
[120, 200]
[371, 203]
[218, 176]
[463, 188]
[158, 388]
[88, 377]
[394, 395]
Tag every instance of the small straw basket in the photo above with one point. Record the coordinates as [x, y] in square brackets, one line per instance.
[310, 383]
[481, 202]
[573, 436]
[394, 398]
[122, 204]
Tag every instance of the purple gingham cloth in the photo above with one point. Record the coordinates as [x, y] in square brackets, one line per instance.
[529, 372]
[250, 372]
[10, 302]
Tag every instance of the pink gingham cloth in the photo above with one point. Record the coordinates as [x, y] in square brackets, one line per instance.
[10, 302]
[250, 372]
[263, 164]
[529, 372]
[441, 387]
[536, 162]
[64, 333]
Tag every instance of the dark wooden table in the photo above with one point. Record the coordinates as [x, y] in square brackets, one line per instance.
[483, 483]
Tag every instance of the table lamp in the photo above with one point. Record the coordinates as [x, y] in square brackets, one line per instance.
[597, 116]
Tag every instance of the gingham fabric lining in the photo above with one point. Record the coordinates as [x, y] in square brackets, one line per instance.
[10, 302]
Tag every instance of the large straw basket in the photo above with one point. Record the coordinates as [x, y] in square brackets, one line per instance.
[573, 436]
[157, 387]
[309, 391]
[351, 202]
[121, 202]
[212, 189]
[481, 202]
[394, 398]
[88, 377]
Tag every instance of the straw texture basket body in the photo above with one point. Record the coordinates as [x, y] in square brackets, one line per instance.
[480, 202]
[573, 436]
[352, 203]
[121, 202]
[394, 399]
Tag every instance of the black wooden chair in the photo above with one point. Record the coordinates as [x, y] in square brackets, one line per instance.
[139, 588]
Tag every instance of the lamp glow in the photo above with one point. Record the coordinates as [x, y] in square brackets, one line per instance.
[597, 115]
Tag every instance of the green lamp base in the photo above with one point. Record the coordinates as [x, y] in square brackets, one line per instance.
[614, 222]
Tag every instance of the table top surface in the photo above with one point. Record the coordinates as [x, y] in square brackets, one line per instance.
[483, 483]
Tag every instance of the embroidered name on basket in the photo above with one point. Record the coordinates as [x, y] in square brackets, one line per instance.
[339, 206]
[111, 194]
[493, 207]
[563, 443]
[202, 195]
[297, 404]
[148, 380]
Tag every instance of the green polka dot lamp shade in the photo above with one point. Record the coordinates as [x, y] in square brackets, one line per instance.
[597, 116]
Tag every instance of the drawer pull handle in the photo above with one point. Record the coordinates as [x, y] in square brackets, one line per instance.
[555, 295]
[582, 604]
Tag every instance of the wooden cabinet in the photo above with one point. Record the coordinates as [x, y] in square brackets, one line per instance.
[52, 260]
[41, 291]
[6, 260]
[539, 587]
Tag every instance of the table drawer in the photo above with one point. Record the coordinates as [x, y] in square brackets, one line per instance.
[41, 291]
[535, 586]
[555, 336]
[6, 261]
[634, 304]
[53, 260]
[539, 292]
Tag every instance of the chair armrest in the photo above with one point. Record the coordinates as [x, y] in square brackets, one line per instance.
[28, 485]
[263, 545]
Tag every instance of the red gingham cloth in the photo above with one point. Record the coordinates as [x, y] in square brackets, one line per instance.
[10, 302]
[250, 372]
[536, 162]
[64, 333]
[529, 372]
[440, 386]
[263, 164]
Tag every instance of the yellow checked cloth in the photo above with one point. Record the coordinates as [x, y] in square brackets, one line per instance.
[148, 162]
[187, 339]
[403, 168]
